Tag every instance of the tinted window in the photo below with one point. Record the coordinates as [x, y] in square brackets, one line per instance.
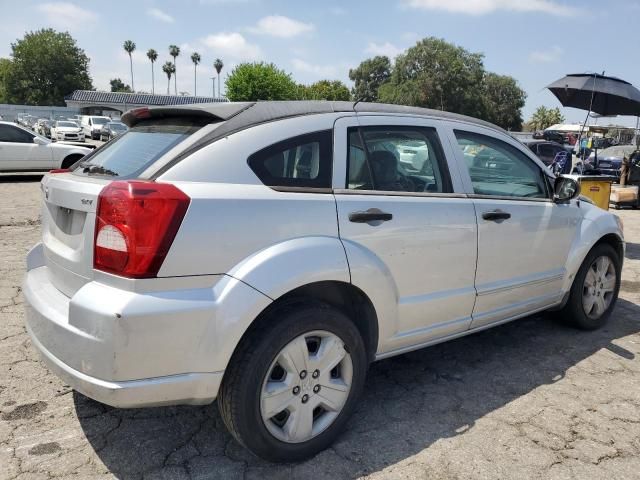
[303, 161]
[396, 159]
[132, 152]
[497, 168]
[14, 135]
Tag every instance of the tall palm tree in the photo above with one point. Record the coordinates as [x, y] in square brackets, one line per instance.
[195, 58]
[168, 68]
[153, 56]
[129, 47]
[218, 66]
[174, 51]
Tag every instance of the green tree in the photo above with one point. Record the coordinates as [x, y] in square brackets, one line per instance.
[129, 47]
[259, 81]
[118, 85]
[368, 77]
[437, 74]
[174, 51]
[324, 90]
[152, 55]
[46, 66]
[504, 100]
[544, 117]
[169, 69]
[5, 65]
[195, 58]
[218, 66]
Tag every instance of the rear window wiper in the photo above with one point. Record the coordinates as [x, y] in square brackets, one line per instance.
[90, 169]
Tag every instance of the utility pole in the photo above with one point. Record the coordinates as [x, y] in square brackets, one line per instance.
[213, 87]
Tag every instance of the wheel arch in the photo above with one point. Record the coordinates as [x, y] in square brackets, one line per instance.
[343, 296]
[70, 159]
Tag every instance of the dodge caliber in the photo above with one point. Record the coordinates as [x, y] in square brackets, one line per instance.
[264, 254]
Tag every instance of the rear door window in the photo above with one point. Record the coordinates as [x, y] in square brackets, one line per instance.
[396, 159]
[299, 162]
[134, 151]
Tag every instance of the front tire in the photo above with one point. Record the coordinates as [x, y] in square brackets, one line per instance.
[595, 289]
[293, 382]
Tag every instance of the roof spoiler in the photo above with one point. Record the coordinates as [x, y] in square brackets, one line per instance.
[222, 112]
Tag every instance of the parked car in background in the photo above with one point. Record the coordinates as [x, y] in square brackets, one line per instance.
[66, 130]
[39, 126]
[548, 151]
[265, 254]
[92, 125]
[610, 159]
[30, 122]
[111, 130]
[22, 149]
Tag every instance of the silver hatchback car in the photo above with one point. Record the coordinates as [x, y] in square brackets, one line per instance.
[263, 254]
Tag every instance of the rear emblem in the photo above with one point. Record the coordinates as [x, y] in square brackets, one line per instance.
[86, 201]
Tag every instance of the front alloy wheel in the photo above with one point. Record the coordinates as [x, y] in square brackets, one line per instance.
[595, 289]
[306, 387]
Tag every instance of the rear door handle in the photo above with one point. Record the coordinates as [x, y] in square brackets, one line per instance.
[496, 215]
[371, 215]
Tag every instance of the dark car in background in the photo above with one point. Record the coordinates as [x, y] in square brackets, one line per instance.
[610, 159]
[548, 150]
[111, 130]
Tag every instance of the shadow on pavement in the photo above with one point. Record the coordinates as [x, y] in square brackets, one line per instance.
[410, 402]
[20, 177]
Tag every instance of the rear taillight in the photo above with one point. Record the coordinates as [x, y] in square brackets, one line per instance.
[136, 223]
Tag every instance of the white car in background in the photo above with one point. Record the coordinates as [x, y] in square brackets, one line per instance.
[67, 130]
[22, 149]
[92, 124]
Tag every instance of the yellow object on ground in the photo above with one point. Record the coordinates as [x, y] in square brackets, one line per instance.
[596, 187]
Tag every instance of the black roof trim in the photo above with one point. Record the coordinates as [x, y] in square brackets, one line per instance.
[241, 115]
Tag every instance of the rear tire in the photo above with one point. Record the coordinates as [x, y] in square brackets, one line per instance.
[315, 405]
[595, 289]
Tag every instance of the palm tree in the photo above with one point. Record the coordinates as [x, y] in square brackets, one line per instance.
[195, 58]
[168, 68]
[129, 47]
[153, 56]
[174, 51]
[218, 66]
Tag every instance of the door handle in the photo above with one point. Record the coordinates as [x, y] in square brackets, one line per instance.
[371, 215]
[496, 215]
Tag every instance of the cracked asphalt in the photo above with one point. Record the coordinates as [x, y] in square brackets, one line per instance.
[531, 399]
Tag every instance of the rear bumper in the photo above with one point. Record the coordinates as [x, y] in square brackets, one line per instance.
[137, 349]
[191, 388]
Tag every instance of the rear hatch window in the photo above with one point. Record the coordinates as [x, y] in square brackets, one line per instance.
[133, 152]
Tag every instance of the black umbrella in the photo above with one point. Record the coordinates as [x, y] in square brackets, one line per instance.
[597, 93]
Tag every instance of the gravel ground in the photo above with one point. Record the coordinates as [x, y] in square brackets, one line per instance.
[531, 399]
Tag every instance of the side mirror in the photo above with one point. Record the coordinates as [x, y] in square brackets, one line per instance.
[39, 141]
[565, 189]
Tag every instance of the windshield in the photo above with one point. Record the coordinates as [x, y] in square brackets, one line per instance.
[118, 126]
[132, 152]
[68, 124]
[100, 121]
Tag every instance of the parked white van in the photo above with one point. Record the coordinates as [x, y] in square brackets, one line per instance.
[92, 124]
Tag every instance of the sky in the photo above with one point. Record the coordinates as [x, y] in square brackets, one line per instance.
[535, 41]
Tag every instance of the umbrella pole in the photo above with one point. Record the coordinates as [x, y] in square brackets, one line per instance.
[635, 137]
